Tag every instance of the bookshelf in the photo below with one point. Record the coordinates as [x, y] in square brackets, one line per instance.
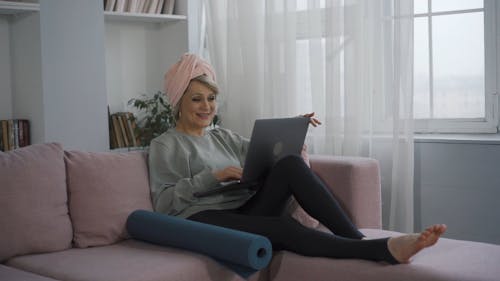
[54, 76]
[64, 83]
[139, 49]
[20, 58]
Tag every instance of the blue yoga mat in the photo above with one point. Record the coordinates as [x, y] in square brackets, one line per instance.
[243, 252]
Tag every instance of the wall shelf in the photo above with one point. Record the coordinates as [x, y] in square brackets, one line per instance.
[127, 58]
[140, 17]
[12, 8]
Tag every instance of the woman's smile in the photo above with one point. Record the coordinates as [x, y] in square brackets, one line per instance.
[204, 116]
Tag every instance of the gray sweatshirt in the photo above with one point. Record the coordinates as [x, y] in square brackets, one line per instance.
[180, 164]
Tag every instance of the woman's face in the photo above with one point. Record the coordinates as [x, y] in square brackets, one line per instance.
[198, 106]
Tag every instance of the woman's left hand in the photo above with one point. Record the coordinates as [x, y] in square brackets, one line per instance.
[312, 120]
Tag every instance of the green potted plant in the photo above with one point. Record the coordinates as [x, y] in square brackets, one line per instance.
[155, 116]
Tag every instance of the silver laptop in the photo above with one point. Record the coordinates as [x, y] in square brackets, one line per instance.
[271, 140]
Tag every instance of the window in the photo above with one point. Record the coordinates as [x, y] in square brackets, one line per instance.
[455, 66]
[455, 63]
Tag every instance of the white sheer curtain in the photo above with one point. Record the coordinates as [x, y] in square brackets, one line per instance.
[349, 61]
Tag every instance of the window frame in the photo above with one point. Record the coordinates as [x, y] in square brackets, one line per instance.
[488, 124]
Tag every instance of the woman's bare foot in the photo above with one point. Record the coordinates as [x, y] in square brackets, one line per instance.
[404, 247]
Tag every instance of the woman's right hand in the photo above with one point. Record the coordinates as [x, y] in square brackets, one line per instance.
[229, 173]
[312, 120]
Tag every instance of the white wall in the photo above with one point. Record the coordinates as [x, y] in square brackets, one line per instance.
[5, 84]
[498, 54]
[73, 69]
[26, 70]
[458, 183]
[139, 53]
[137, 57]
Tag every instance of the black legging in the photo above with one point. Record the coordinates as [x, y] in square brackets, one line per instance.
[264, 214]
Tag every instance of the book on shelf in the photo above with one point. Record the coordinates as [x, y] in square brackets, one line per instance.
[112, 134]
[159, 7]
[132, 6]
[168, 7]
[5, 140]
[140, 6]
[152, 7]
[131, 128]
[109, 5]
[117, 131]
[123, 127]
[1, 138]
[15, 133]
[120, 6]
[112, 137]
[122, 131]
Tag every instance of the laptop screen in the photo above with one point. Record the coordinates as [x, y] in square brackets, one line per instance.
[271, 140]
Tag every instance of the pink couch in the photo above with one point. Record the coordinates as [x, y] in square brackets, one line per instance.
[62, 217]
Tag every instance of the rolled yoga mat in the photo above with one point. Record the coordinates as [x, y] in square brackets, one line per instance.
[243, 252]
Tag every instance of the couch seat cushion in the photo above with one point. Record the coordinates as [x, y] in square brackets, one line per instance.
[129, 260]
[12, 274]
[33, 200]
[451, 260]
[104, 188]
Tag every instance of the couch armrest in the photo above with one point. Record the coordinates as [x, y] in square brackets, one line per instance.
[355, 182]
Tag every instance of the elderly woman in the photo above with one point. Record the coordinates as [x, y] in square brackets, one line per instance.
[191, 158]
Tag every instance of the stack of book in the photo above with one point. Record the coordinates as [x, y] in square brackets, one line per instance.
[122, 130]
[140, 6]
[14, 133]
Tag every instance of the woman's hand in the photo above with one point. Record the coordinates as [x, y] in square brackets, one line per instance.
[312, 120]
[229, 173]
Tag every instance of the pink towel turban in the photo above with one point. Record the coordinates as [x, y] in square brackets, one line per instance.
[180, 74]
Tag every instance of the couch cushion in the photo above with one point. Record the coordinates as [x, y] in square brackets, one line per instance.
[34, 212]
[128, 260]
[104, 188]
[12, 274]
[448, 260]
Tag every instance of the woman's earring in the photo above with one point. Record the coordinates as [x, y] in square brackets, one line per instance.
[180, 114]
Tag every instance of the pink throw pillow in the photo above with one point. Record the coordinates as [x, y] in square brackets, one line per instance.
[104, 188]
[33, 200]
